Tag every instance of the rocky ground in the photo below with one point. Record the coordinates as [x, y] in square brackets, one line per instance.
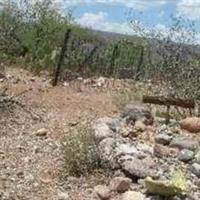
[160, 161]
[30, 154]
[31, 164]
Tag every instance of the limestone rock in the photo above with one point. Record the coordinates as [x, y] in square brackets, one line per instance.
[185, 143]
[136, 168]
[195, 168]
[161, 151]
[107, 150]
[117, 124]
[130, 195]
[126, 149]
[101, 128]
[113, 149]
[163, 139]
[103, 192]
[186, 155]
[120, 184]
[136, 111]
[197, 157]
[140, 126]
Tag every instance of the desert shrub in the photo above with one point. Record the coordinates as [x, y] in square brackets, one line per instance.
[173, 56]
[81, 152]
[32, 34]
[31, 30]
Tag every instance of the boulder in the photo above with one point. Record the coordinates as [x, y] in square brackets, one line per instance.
[101, 128]
[185, 143]
[186, 155]
[191, 124]
[136, 168]
[163, 139]
[145, 148]
[113, 149]
[103, 192]
[130, 195]
[120, 184]
[126, 149]
[107, 150]
[195, 168]
[140, 126]
[197, 157]
[137, 112]
[161, 151]
[117, 124]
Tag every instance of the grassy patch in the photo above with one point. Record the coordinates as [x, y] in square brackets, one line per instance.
[127, 95]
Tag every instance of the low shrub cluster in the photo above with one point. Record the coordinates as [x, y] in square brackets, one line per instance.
[81, 152]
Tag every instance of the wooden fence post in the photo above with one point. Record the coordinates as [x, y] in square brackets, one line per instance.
[61, 58]
[160, 100]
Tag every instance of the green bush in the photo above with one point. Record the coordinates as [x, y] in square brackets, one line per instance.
[31, 32]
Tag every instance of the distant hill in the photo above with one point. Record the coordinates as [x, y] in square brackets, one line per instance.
[111, 36]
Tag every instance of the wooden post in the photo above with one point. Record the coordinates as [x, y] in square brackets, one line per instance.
[160, 100]
[168, 115]
[115, 53]
[139, 66]
[61, 58]
[82, 65]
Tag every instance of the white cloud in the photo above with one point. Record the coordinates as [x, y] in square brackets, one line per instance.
[181, 36]
[99, 21]
[92, 20]
[162, 31]
[162, 13]
[135, 4]
[189, 9]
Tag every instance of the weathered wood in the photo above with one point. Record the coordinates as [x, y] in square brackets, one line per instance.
[86, 60]
[62, 54]
[139, 66]
[160, 100]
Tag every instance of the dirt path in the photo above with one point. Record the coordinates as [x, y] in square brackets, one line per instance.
[30, 163]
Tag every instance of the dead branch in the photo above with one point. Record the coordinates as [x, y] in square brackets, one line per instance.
[62, 54]
[160, 100]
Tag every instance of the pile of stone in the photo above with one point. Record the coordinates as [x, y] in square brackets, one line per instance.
[147, 155]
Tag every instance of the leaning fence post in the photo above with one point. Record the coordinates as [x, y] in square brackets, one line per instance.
[61, 58]
[167, 120]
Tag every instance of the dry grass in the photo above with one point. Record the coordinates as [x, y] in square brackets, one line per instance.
[81, 152]
[127, 95]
